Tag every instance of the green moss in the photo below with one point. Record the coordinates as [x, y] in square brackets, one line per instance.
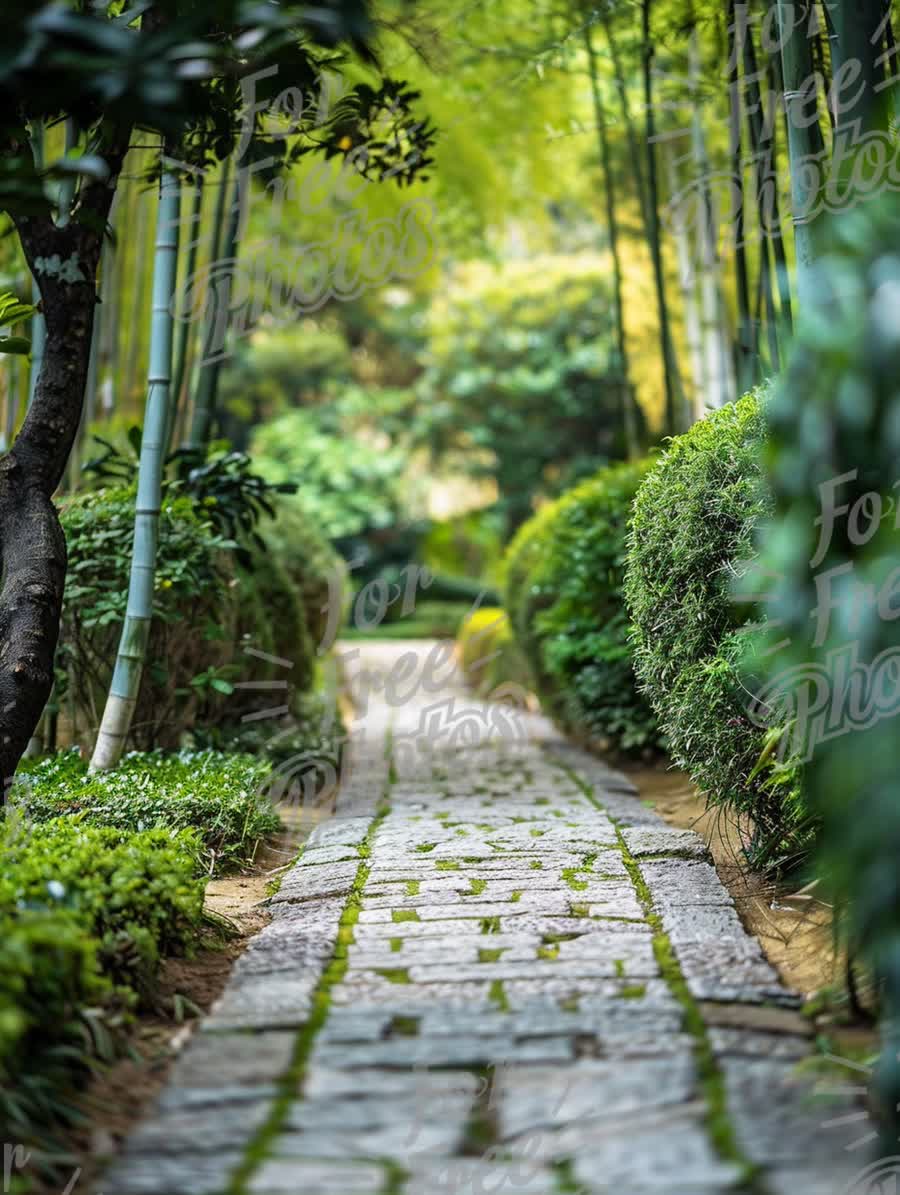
[536, 865]
[447, 865]
[497, 994]
[404, 1026]
[579, 910]
[291, 1083]
[476, 887]
[394, 974]
[398, 915]
[633, 991]
[490, 925]
[712, 1082]
[548, 952]
[569, 874]
[516, 895]
[412, 887]
[424, 847]
[396, 945]
[490, 956]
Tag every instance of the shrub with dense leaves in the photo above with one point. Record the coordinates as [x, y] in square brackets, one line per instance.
[692, 537]
[564, 579]
[86, 914]
[193, 627]
[522, 385]
[215, 795]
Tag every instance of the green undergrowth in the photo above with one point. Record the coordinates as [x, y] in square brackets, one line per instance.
[220, 797]
[86, 914]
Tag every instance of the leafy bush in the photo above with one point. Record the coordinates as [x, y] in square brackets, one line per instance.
[137, 894]
[488, 653]
[469, 545]
[347, 487]
[692, 535]
[86, 913]
[194, 617]
[564, 594]
[523, 386]
[212, 794]
[51, 993]
[315, 570]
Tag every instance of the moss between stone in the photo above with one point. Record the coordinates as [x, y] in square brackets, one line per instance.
[404, 1026]
[291, 1083]
[476, 887]
[497, 994]
[719, 1126]
[490, 925]
[490, 956]
[569, 874]
[396, 944]
[447, 865]
[412, 887]
[393, 974]
[399, 915]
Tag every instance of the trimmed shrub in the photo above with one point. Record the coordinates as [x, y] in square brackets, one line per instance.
[86, 913]
[216, 796]
[136, 894]
[692, 537]
[488, 652]
[564, 579]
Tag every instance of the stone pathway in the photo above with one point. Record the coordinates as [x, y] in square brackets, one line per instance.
[494, 971]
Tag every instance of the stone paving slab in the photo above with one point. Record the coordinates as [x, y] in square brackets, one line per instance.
[506, 1009]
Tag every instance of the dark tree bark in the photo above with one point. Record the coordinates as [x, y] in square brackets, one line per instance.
[64, 261]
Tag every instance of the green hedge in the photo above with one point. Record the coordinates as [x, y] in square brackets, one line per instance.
[692, 534]
[86, 912]
[564, 579]
[215, 795]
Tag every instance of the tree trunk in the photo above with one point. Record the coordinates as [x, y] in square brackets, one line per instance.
[126, 681]
[64, 262]
[628, 420]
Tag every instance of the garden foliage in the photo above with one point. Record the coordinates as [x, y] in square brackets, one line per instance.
[834, 459]
[692, 537]
[564, 595]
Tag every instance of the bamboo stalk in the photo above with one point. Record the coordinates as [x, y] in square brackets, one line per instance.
[628, 420]
[130, 660]
[805, 139]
